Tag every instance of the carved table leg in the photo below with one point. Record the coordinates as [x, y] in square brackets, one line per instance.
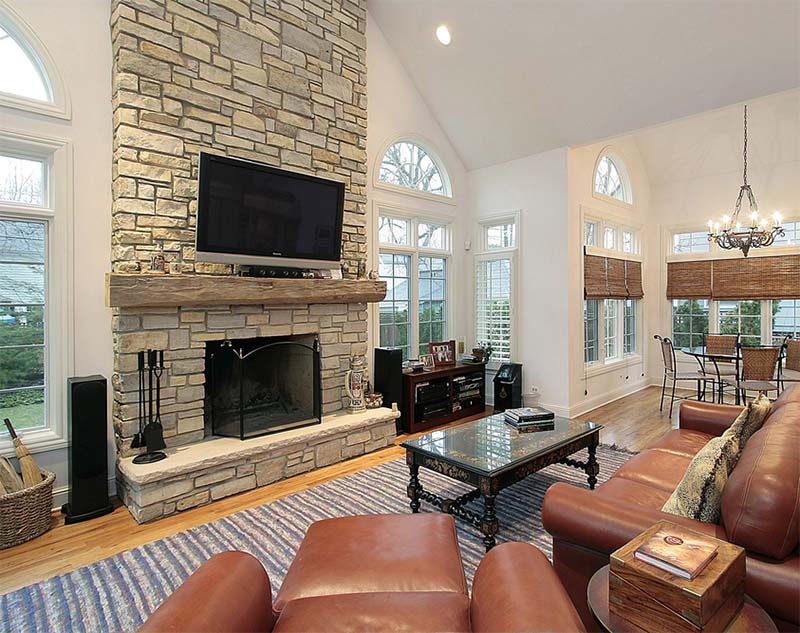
[489, 523]
[592, 467]
[414, 487]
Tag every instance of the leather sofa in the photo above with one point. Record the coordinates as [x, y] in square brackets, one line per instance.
[760, 505]
[374, 573]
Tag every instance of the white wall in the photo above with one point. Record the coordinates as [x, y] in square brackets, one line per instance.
[536, 187]
[695, 170]
[396, 110]
[77, 36]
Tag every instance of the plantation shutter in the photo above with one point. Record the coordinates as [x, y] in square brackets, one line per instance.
[493, 283]
[757, 278]
[689, 280]
[633, 279]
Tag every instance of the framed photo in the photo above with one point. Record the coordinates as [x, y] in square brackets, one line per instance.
[427, 361]
[443, 353]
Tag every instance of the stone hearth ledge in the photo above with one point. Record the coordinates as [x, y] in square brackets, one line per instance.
[219, 467]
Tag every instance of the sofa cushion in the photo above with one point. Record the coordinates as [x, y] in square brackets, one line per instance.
[376, 553]
[761, 501]
[699, 494]
[654, 468]
[409, 611]
[682, 442]
[633, 492]
[750, 420]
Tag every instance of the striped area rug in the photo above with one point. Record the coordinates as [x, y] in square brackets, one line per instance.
[117, 594]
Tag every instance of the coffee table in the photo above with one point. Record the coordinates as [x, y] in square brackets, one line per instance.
[491, 455]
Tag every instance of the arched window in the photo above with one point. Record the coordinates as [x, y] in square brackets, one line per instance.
[21, 73]
[406, 164]
[609, 181]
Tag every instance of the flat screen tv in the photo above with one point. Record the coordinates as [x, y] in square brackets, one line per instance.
[249, 213]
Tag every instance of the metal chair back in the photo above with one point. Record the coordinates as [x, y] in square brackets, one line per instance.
[759, 363]
[667, 354]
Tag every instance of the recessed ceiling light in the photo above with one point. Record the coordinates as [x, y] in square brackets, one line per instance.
[443, 34]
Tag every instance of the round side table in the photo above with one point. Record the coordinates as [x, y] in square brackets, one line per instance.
[751, 617]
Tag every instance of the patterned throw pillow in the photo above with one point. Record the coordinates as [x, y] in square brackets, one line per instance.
[699, 494]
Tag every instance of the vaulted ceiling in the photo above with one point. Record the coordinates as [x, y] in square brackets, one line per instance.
[526, 76]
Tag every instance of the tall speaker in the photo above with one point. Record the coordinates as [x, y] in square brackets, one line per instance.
[88, 449]
[388, 375]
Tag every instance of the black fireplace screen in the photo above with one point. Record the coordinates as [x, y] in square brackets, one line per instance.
[263, 385]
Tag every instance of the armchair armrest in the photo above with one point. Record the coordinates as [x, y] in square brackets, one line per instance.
[229, 592]
[602, 524]
[706, 417]
[516, 590]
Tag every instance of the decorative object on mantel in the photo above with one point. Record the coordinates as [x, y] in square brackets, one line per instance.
[151, 435]
[158, 263]
[354, 384]
[729, 234]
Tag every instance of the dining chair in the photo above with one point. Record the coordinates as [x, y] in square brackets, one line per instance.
[727, 344]
[758, 368]
[789, 365]
[671, 372]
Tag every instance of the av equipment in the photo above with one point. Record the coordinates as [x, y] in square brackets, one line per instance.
[388, 377]
[88, 449]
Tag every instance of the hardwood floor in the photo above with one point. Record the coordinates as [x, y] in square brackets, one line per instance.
[632, 422]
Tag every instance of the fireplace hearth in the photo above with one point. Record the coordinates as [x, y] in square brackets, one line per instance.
[262, 385]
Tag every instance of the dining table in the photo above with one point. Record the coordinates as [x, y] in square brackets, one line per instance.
[702, 355]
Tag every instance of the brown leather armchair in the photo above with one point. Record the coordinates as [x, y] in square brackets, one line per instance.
[760, 505]
[340, 581]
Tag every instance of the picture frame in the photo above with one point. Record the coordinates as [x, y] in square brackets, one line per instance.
[444, 352]
[427, 361]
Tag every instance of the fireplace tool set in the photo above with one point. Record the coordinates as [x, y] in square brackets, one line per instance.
[151, 432]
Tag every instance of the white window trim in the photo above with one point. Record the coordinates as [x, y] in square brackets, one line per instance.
[484, 253]
[622, 168]
[449, 196]
[59, 106]
[603, 365]
[415, 252]
[59, 333]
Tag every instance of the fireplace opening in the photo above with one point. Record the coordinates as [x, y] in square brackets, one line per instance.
[262, 385]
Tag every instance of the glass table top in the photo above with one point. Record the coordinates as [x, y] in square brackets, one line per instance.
[489, 445]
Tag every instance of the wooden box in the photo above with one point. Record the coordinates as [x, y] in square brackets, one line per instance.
[657, 600]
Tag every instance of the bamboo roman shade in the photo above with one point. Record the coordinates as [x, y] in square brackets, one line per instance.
[756, 278]
[689, 280]
[611, 278]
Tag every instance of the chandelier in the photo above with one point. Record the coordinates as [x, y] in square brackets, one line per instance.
[731, 234]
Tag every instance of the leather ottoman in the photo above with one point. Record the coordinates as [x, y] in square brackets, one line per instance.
[376, 554]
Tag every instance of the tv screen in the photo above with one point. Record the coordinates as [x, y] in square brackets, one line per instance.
[249, 213]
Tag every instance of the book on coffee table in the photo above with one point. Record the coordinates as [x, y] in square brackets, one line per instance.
[528, 414]
[677, 551]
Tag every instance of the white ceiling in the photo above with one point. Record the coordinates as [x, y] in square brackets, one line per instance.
[526, 76]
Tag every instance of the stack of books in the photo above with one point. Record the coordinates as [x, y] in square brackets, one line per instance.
[530, 418]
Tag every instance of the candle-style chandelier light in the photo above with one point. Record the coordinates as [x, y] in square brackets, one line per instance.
[731, 234]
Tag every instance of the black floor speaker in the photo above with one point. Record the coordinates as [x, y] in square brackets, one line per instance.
[388, 377]
[88, 449]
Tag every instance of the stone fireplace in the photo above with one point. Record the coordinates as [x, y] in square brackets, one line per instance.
[262, 385]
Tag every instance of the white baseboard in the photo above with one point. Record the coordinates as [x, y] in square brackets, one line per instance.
[61, 494]
[558, 410]
[609, 397]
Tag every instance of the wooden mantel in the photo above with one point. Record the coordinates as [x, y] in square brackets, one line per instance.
[138, 290]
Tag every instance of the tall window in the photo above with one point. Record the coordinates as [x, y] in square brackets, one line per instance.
[629, 329]
[785, 319]
[494, 288]
[591, 328]
[608, 180]
[741, 317]
[405, 164]
[414, 262]
[689, 322]
[611, 337]
[21, 73]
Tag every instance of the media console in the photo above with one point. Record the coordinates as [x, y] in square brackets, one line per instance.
[442, 395]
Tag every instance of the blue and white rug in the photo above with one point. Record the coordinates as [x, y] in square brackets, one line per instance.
[117, 594]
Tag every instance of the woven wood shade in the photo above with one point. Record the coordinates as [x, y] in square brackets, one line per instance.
[689, 280]
[757, 278]
[615, 274]
[594, 277]
[633, 279]
[611, 278]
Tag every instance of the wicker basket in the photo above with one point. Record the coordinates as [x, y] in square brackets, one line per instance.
[26, 514]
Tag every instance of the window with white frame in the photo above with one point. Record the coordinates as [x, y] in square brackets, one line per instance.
[414, 258]
[785, 319]
[22, 74]
[608, 179]
[494, 287]
[617, 316]
[690, 242]
[408, 165]
[791, 234]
